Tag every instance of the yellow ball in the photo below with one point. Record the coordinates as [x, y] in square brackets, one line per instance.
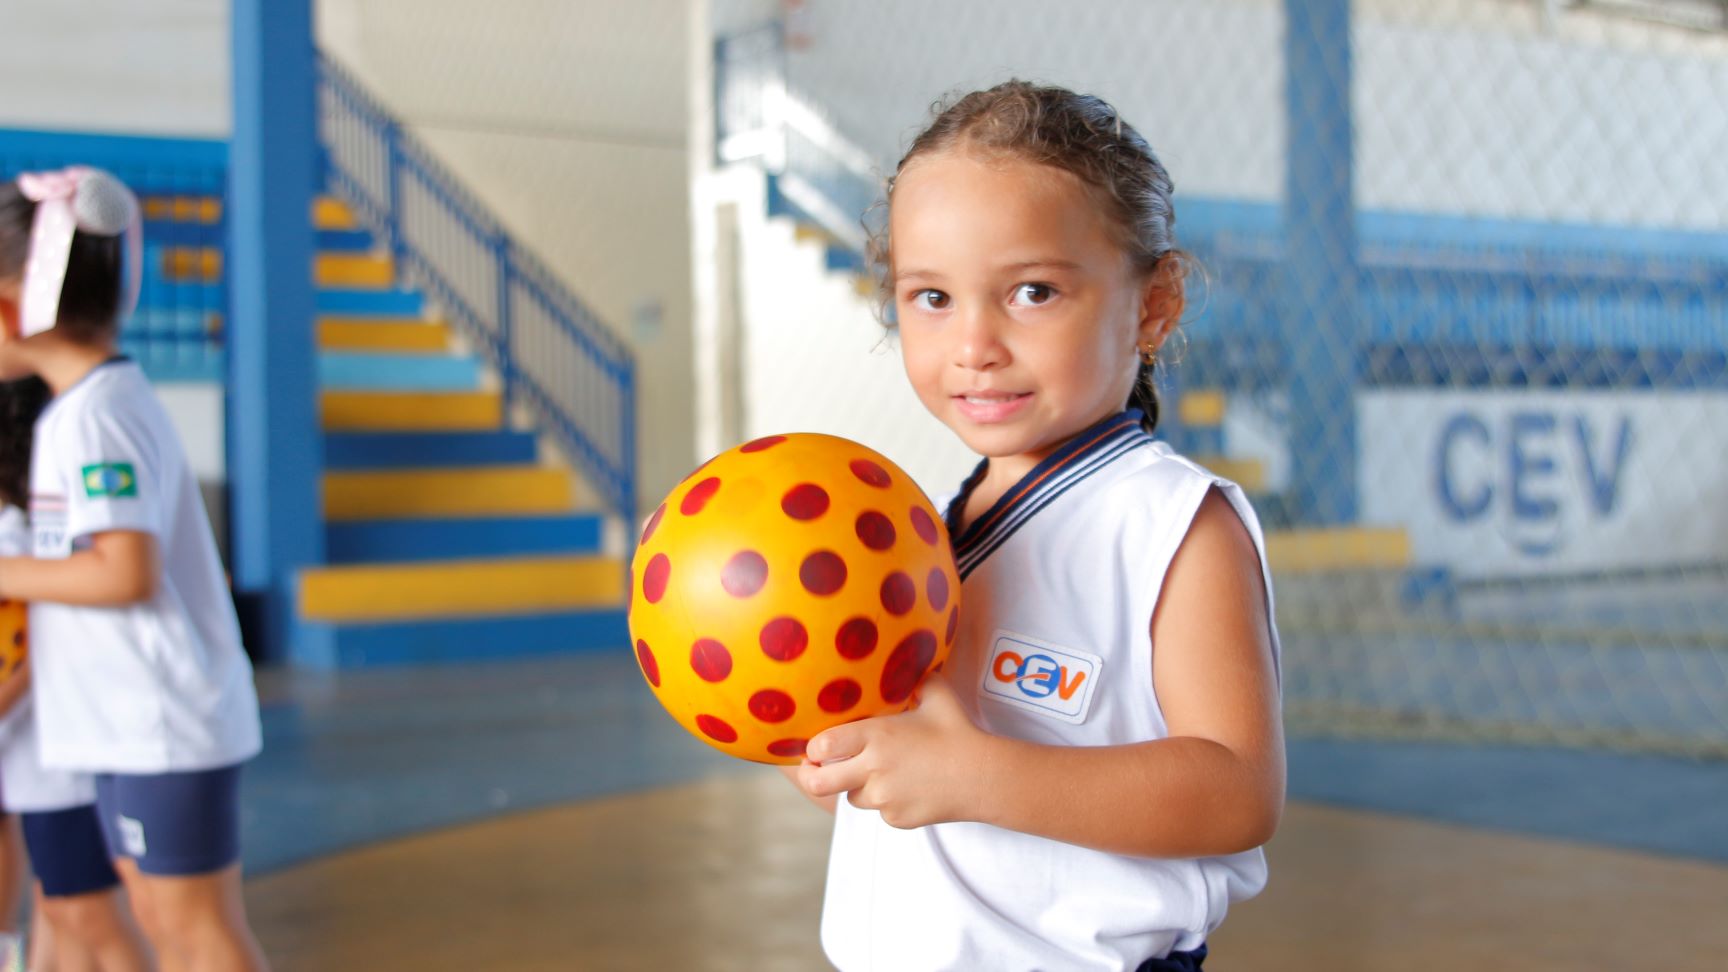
[14, 635]
[791, 584]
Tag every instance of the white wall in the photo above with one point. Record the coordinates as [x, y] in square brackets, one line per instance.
[158, 67]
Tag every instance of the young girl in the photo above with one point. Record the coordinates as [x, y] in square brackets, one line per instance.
[79, 922]
[140, 679]
[1088, 782]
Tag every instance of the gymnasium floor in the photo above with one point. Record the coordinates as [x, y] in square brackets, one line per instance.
[546, 815]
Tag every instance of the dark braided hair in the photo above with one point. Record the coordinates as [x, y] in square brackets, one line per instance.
[20, 403]
[1079, 134]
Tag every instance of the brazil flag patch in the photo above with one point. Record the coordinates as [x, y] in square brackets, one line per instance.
[110, 480]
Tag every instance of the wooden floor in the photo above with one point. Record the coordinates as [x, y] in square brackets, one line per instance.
[726, 874]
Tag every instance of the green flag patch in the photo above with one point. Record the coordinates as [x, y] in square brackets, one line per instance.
[110, 480]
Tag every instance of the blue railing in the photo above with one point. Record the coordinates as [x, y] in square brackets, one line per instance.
[553, 354]
[176, 333]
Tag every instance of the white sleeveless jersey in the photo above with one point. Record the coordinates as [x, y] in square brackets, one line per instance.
[158, 686]
[26, 786]
[1059, 579]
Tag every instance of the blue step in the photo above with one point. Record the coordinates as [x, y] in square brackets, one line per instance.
[408, 450]
[370, 303]
[345, 241]
[365, 541]
[839, 259]
[329, 647]
[359, 370]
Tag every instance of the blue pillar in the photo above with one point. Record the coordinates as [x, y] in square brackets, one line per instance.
[1320, 277]
[275, 448]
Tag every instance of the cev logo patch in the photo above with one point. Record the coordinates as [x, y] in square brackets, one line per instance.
[1051, 681]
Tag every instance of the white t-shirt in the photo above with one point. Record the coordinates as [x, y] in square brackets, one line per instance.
[158, 686]
[26, 786]
[1059, 583]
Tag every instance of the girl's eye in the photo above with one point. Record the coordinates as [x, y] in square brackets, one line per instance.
[930, 300]
[1033, 294]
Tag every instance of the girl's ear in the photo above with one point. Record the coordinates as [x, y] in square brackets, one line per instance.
[1161, 304]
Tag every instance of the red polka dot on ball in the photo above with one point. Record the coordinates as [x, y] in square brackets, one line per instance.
[924, 526]
[907, 665]
[766, 442]
[744, 574]
[856, 638]
[936, 589]
[654, 578]
[788, 747]
[650, 667]
[875, 530]
[699, 496]
[839, 695]
[784, 639]
[710, 660]
[899, 594]
[822, 573]
[805, 501]
[716, 729]
[870, 473]
[772, 705]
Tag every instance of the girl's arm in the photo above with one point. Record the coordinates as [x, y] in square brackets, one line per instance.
[120, 567]
[14, 687]
[1214, 787]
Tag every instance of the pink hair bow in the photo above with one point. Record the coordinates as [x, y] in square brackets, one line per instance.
[70, 200]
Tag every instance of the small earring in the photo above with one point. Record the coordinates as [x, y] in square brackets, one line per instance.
[1148, 354]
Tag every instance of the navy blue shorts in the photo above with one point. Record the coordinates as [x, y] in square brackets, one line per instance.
[1175, 962]
[68, 852]
[172, 823]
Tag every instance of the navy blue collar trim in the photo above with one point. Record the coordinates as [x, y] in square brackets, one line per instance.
[1077, 459]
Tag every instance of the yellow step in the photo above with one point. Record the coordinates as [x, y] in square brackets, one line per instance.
[381, 592]
[1202, 407]
[1250, 474]
[369, 334]
[182, 209]
[1342, 548]
[355, 411]
[185, 264]
[465, 491]
[330, 213]
[354, 270]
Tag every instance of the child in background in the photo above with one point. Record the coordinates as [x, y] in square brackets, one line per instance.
[1088, 782]
[142, 680]
[78, 921]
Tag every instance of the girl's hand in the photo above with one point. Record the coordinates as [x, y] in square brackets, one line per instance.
[918, 767]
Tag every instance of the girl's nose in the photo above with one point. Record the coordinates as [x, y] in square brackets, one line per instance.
[978, 345]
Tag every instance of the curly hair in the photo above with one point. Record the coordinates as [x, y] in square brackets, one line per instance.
[1080, 134]
[20, 403]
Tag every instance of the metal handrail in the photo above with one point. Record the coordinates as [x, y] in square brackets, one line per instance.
[552, 353]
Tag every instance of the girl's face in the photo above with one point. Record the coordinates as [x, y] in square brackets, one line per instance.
[1019, 317]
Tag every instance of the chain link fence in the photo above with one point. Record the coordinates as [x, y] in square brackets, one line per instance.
[1464, 328]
